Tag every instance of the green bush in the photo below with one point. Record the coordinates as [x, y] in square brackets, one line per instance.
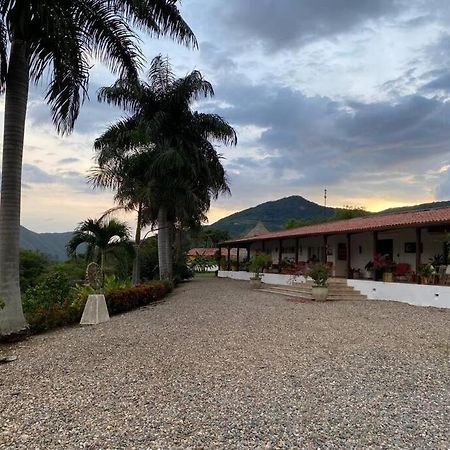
[122, 300]
[181, 272]
[319, 274]
[48, 304]
[33, 266]
[259, 262]
[53, 303]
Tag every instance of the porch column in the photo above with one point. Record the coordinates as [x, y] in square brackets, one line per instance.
[248, 253]
[418, 251]
[349, 254]
[375, 241]
[296, 249]
[237, 265]
[280, 254]
[220, 257]
[325, 243]
[229, 258]
[263, 246]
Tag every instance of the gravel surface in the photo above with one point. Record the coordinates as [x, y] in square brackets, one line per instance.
[221, 366]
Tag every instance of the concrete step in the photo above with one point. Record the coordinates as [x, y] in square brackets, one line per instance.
[337, 292]
[347, 290]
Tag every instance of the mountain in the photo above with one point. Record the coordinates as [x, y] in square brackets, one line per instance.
[51, 244]
[273, 215]
[432, 205]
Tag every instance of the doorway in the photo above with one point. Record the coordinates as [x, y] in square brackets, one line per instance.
[385, 247]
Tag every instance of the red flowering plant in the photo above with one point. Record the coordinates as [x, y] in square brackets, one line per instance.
[383, 263]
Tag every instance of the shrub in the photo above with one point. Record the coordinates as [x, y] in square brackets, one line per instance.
[259, 262]
[319, 274]
[48, 304]
[53, 303]
[181, 272]
[121, 300]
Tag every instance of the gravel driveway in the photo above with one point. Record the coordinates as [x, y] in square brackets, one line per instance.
[221, 366]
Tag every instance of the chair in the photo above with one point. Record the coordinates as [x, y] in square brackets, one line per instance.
[329, 266]
[402, 272]
[445, 279]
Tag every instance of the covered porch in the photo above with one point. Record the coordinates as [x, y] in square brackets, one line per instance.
[399, 247]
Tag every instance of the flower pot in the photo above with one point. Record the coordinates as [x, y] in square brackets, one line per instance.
[255, 283]
[387, 277]
[368, 274]
[320, 293]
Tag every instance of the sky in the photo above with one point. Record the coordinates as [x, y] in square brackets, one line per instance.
[347, 95]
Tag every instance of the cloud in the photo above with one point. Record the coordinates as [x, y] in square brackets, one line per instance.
[283, 24]
[312, 142]
[69, 161]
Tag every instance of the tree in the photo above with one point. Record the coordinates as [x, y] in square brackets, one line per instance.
[127, 176]
[350, 212]
[210, 237]
[57, 40]
[100, 237]
[175, 145]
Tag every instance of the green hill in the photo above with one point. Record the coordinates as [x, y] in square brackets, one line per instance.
[51, 244]
[273, 215]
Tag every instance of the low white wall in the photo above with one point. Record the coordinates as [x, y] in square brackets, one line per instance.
[414, 294]
[268, 278]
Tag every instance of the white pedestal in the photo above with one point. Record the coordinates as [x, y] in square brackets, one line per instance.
[95, 310]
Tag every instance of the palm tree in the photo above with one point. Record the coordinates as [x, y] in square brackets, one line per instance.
[100, 237]
[132, 194]
[56, 40]
[183, 168]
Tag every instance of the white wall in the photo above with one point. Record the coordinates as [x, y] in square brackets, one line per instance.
[413, 294]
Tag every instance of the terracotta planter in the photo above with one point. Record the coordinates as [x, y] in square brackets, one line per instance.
[388, 277]
[319, 293]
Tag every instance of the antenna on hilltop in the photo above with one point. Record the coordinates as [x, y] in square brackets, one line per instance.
[325, 197]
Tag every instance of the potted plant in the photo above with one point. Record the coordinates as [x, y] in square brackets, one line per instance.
[369, 268]
[425, 272]
[356, 273]
[319, 274]
[257, 264]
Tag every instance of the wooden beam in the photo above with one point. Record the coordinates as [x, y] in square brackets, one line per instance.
[229, 258]
[375, 241]
[418, 251]
[263, 246]
[248, 253]
[325, 243]
[349, 255]
[280, 254]
[296, 249]
[237, 265]
[220, 257]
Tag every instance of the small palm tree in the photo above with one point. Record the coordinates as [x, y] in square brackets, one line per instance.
[129, 178]
[100, 237]
[182, 168]
[57, 40]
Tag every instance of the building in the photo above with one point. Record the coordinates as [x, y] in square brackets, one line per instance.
[409, 238]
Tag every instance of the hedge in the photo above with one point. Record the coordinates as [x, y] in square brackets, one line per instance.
[46, 316]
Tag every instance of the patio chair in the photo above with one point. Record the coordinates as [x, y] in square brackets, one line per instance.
[445, 279]
[402, 272]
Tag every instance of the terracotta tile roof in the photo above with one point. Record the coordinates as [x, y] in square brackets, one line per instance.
[202, 251]
[428, 217]
[211, 252]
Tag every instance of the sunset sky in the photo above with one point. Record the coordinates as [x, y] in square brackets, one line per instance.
[348, 95]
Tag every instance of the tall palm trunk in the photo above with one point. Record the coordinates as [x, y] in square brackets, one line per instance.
[164, 245]
[136, 277]
[12, 319]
